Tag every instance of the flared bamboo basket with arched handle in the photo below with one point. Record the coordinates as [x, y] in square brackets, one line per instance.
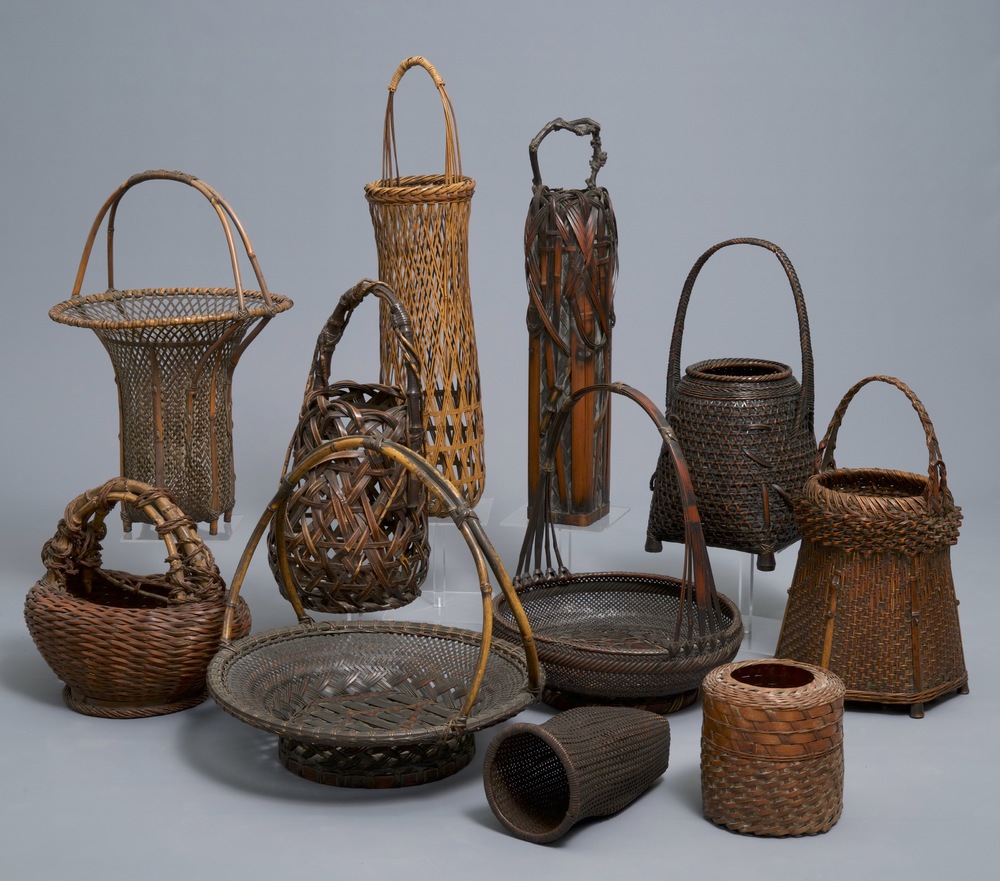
[621, 637]
[174, 351]
[421, 227]
[355, 527]
[376, 703]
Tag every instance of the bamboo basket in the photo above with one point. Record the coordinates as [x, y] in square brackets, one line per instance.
[174, 351]
[621, 638]
[872, 596]
[375, 703]
[746, 426]
[356, 526]
[128, 646]
[421, 231]
[571, 260]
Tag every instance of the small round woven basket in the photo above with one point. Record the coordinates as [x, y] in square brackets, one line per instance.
[772, 748]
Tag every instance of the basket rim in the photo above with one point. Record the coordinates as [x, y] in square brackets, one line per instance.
[420, 188]
[817, 485]
[701, 370]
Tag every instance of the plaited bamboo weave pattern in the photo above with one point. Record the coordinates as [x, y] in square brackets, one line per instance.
[421, 227]
[174, 351]
[872, 596]
[571, 260]
[356, 527]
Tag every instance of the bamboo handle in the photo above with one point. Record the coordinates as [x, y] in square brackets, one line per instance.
[415, 61]
[580, 127]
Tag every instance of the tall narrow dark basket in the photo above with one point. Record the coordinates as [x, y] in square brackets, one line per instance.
[174, 351]
[356, 526]
[571, 259]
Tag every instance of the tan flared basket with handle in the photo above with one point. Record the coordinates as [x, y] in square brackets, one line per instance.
[174, 351]
[422, 234]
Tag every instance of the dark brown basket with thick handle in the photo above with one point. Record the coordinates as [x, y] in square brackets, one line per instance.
[356, 526]
[571, 259]
[621, 637]
[746, 426]
[174, 351]
[873, 597]
[422, 234]
[128, 646]
[375, 703]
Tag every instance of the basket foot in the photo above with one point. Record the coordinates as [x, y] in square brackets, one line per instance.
[671, 703]
[653, 544]
[963, 688]
[917, 711]
[89, 706]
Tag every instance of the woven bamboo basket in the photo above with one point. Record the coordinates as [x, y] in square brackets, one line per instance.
[356, 526]
[128, 646]
[174, 351]
[746, 426]
[421, 231]
[772, 748]
[571, 260]
[541, 780]
[872, 596]
[621, 638]
[375, 703]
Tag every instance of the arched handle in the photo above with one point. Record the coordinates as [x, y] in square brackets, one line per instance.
[937, 477]
[581, 127]
[452, 152]
[226, 216]
[540, 544]
[76, 545]
[483, 552]
[804, 417]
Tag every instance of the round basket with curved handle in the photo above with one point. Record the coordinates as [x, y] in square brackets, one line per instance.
[622, 637]
[174, 351]
[126, 645]
[376, 703]
[355, 527]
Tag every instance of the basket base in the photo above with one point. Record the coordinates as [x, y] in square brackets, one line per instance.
[915, 702]
[671, 703]
[383, 767]
[90, 706]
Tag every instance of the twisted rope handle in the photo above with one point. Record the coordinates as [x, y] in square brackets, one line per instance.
[483, 552]
[937, 476]
[582, 127]
[452, 153]
[222, 209]
[807, 399]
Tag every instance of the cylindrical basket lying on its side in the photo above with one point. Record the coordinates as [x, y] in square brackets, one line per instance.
[356, 526]
[746, 426]
[128, 646]
[872, 596]
[174, 351]
[421, 231]
[571, 260]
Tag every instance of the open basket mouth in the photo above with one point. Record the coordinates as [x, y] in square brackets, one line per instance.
[420, 188]
[740, 370]
[874, 483]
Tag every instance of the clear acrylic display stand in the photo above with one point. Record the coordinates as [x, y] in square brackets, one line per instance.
[519, 520]
[145, 531]
[440, 531]
[760, 631]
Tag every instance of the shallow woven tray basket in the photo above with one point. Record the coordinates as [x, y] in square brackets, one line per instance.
[872, 596]
[128, 646]
[621, 638]
[356, 527]
[421, 227]
[746, 426]
[174, 351]
[571, 260]
[376, 703]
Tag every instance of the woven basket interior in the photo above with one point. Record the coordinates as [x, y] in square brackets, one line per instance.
[873, 482]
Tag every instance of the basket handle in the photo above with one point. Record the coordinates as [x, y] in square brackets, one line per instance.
[540, 538]
[937, 476]
[483, 552]
[76, 545]
[804, 417]
[222, 208]
[452, 153]
[581, 127]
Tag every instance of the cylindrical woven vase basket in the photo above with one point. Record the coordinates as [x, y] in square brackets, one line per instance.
[356, 526]
[772, 748]
[422, 235]
[746, 426]
[873, 596]
[541, 780]
[571, 260]
[174, 351]
[128, 646]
